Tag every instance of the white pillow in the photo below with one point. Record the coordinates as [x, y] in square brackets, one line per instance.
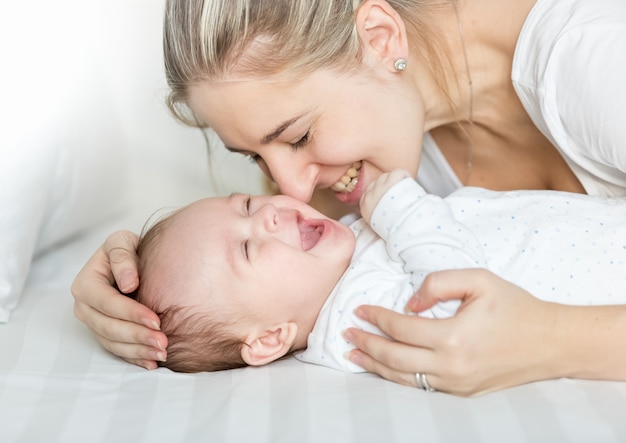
[62, 155]
[57, 179]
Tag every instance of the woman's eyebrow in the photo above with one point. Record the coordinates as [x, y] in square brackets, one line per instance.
[279, 130]
[268, 138]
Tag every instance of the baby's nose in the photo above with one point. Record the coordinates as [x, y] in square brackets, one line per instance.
[270, 217]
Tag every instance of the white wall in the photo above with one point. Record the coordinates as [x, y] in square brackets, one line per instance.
[130, 34]
[86, 141]
[97, 66]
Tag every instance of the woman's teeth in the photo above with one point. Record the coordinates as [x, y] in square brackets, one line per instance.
[350, 179]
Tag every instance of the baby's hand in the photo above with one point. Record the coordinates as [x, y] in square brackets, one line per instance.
[377, 189]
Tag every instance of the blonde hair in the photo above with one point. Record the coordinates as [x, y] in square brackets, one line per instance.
[210, 40]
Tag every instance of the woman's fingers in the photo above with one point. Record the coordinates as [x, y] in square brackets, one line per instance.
[92, 291]
[401, 327]
[122, 325]
[124, 328]
[147, 364]
[131, 341]
[120, 249]
[375, 367]
[141, 355]
[96, 302]
[475, 351]
[104, 302]
[448, 285]
[391, 360]
[92, 286]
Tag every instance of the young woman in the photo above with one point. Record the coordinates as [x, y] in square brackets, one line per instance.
[329, 94]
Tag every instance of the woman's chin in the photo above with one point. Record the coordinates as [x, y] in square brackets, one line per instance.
[349, 198]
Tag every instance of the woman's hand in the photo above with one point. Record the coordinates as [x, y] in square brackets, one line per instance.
[123, 326]
[500, 336]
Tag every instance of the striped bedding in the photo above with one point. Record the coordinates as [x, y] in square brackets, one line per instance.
[58, 385]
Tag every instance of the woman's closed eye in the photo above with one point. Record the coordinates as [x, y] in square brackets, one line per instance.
[253, 158]
[302, 142]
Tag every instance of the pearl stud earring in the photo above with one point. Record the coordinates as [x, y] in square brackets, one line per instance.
[400, 64]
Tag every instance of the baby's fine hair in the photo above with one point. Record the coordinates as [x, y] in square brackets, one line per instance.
[197, 341]
[211, 40]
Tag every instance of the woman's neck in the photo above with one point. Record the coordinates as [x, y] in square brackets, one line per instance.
[482, 35]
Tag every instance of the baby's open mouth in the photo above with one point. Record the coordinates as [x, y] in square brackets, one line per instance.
[348, 182]
[310, 232]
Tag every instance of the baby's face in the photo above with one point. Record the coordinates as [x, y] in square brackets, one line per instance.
[271, 258]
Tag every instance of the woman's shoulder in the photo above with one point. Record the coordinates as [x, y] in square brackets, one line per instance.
[551, 21]
[568, 72]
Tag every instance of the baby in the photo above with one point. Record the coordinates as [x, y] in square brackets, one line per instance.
[247, 280]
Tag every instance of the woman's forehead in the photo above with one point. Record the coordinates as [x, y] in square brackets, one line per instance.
[250, 112]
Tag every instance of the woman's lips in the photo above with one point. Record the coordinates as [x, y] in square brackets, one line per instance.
[353, 197]
[350, 179]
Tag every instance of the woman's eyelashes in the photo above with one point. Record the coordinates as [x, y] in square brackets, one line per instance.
[250, 155]
[303, 141]
[256, 158]
[253, 158]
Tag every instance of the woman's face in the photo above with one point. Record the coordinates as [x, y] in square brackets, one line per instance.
[317, 131]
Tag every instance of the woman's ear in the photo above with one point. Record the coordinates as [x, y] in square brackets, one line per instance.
[382, 33]
[265, 346]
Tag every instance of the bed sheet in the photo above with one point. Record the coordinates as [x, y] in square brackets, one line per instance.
[58, 385]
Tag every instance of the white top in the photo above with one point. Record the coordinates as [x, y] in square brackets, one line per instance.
[569, 71]
[539, 240]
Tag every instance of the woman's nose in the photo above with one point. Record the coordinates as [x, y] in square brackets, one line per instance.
[294, 179]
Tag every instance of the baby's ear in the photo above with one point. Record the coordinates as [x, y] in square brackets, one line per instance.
[265, 346]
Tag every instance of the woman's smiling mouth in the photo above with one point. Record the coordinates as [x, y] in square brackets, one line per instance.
[350, 179]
